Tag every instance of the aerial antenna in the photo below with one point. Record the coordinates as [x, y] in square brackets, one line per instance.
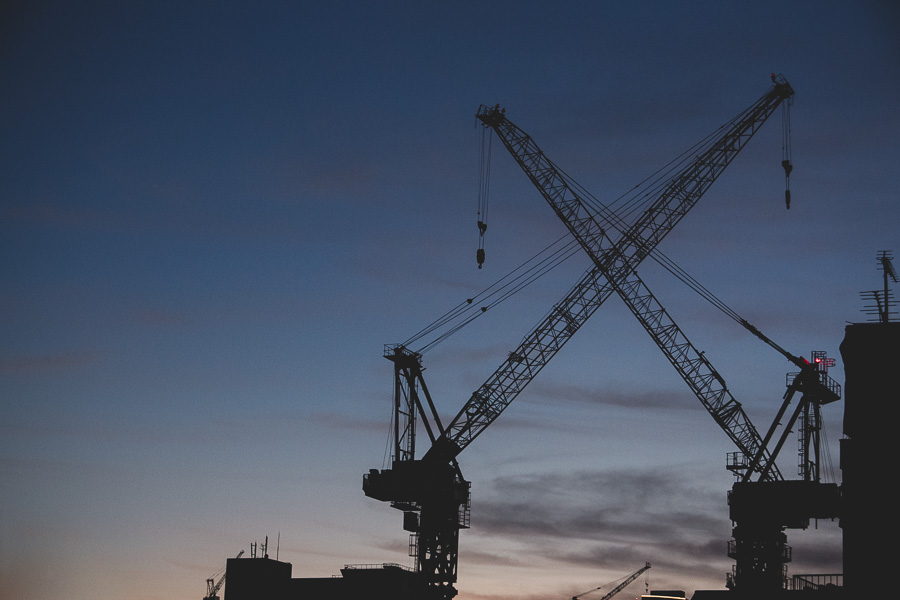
[881, 301]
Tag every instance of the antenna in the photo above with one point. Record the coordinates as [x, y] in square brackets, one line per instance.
[882, 300]
[887, 268]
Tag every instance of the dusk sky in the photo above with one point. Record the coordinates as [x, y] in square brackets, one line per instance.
[213, 216]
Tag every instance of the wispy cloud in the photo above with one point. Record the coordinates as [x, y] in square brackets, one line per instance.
[610, 518]
[631, 398]
[343, 422]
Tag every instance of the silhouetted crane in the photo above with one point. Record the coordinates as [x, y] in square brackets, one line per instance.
[592, 223]
[625, 583]
[213, 585]
[431, 491]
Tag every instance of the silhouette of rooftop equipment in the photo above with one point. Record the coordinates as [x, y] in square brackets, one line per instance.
[882, 301]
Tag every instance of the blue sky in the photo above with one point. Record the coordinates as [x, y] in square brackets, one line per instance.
[214, 215]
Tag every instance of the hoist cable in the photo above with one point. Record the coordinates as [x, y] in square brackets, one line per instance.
[507, 286]
[786, 150]
[786, 131]
[650, 188]
[477, 309]
[570, 250]
[470, 302]
[484, 186]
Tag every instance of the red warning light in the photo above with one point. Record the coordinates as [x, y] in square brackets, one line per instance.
[822, 361]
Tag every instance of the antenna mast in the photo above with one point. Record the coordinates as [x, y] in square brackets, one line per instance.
[882, 299]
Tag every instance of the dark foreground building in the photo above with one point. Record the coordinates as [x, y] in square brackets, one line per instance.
[871, 356]
[267, 579]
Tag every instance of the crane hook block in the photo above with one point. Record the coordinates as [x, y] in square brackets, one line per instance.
[788, 167]
[480, 257]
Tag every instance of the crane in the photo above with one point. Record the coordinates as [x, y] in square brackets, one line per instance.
[431, 491]
[590, 226]
[590, 223]
[616, 262]
[625, 583]
[213, 585]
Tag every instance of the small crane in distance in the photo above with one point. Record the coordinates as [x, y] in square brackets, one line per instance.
[213, 586]
[627, 581]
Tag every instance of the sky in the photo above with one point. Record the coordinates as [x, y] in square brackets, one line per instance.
[214, 215]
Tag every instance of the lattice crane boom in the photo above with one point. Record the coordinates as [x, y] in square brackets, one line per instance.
[696, 370]
[618, 588]
[213, 585]
[613, 262]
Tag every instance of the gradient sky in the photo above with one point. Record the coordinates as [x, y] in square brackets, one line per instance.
[214, 214]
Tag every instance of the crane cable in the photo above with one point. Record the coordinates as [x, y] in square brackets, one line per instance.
[786, 150]
[484, 186]
[613, 221]
[507, 286]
